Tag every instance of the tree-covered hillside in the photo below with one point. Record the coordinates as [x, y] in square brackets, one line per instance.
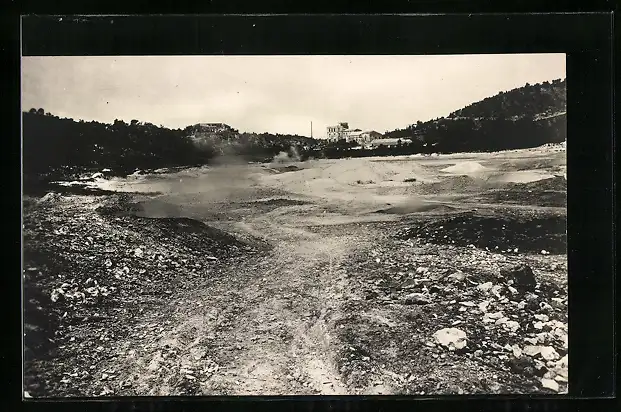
[56, 148]
[531, 100]
[525, 117]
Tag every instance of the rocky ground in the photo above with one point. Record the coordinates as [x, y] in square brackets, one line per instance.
[128, 295]
[475, 321]
[91, 268]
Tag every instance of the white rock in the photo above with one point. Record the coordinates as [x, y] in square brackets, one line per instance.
[548, 353]
[138, 252]
[485, 287]
[550, 384]
[457, 276]
[484, 305]
[531, 350]
[542, 317]
[452, 338]
[494, 315]
[560, 378]
[512, 325]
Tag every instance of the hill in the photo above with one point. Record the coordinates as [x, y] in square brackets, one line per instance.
[57, 148]
[539, 99]
[524, 117]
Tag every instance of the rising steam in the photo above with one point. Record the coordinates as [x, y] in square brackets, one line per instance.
[287, 157]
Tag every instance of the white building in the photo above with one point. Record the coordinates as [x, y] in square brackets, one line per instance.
[338, 132]
[389, 142]
[212, 127]
[342, 132]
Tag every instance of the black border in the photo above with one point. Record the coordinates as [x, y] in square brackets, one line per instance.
[586, 38]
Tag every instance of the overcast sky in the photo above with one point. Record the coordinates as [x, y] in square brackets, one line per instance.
[278, 94]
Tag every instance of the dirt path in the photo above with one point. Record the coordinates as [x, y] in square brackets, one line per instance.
[260, 328]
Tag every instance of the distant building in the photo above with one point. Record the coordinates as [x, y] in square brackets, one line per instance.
[342, 132]
[212, 127]
[389, 142]
[364, 138]
[338, 132]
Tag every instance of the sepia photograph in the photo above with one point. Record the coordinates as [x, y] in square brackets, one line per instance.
[217, 225]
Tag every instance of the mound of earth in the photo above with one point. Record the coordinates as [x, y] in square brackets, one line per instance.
[558, 183]
[88, 270]
[547, 198]
[455, 184]
[524, 177]
[339, 175]
[524, 234]
[547, 192]
[465, 168]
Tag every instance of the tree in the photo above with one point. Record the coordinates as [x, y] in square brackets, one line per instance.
[40, 112]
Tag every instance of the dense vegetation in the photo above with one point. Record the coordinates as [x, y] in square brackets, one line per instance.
[55, 147]
[530, 100]
[525, 117]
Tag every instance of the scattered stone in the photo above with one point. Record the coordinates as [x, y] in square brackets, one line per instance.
[541, 317]
[550, 384]
[451, 338]
[467, 303]
[417, 298]
[457, 276]
[485, 287]
[494, 315]
[511, 325]
[548, 353]
[545, 306]
[531, 350]
[484, 305]
[138, 252]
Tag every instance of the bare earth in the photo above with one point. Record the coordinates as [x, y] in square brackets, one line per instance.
[320, 305]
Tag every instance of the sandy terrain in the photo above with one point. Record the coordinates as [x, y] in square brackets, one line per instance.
[325, 307]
